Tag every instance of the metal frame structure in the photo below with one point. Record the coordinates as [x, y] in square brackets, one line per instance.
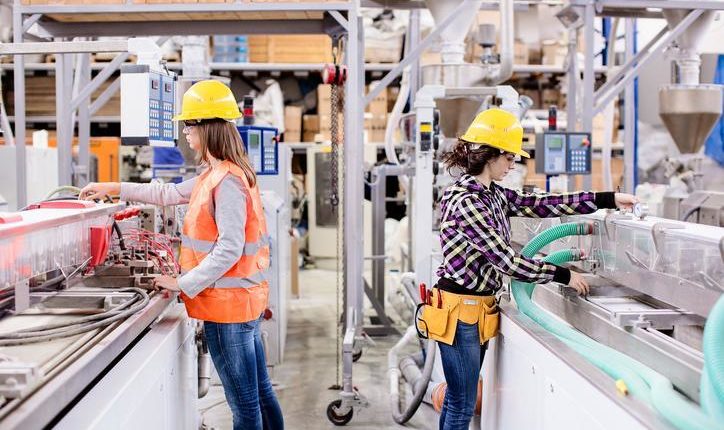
[595, 100]
[263, 19]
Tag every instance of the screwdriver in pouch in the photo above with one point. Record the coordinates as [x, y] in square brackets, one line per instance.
[423, 293]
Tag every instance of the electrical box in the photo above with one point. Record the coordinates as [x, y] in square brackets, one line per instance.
[262, 147]
[148, 104]
[558, 153]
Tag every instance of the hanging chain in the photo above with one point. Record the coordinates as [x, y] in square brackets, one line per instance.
[334, 196]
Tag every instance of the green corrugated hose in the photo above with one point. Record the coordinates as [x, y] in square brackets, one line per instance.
[712, 378]
[643, 382]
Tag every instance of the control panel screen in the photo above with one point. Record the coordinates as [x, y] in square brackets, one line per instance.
[564, 153]
[253, 142]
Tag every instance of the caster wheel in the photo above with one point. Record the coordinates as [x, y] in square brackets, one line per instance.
[356, 355]
[338, 420]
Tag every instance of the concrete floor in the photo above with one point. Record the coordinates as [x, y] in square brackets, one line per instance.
[309, 369]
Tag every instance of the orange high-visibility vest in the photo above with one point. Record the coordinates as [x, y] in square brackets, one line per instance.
[242, 293]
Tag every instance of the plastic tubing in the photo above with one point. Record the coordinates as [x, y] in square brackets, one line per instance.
[643, 382]
[713, 346]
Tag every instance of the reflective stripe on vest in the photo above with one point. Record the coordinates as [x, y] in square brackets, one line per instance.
[205, 246]
[232, 282]
[236, 282]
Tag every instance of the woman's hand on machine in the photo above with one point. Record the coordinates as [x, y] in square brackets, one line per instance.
[578, 283]
[167, 283]
[625, 201]
[99, 190]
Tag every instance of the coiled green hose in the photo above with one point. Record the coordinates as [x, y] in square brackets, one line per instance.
[713, 374]
[643, 382]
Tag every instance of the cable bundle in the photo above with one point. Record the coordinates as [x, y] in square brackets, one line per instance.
[49, 332]
[160, 249]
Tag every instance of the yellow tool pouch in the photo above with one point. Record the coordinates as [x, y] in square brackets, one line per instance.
[440, 323]
[489, 321]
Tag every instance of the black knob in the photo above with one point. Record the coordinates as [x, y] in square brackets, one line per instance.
[436, 142]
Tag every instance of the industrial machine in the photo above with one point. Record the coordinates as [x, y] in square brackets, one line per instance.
[629, 355]
[81, 327]
[566, 153]
[146, 116]
[262, 147]
[273, 166]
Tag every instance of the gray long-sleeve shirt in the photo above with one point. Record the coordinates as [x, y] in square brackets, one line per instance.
[229, 202]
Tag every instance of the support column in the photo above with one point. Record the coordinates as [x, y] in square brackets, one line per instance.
[64, 132]
[19, 78]
[589, 79]
[82, 170]
[353, 184]
[629, 131]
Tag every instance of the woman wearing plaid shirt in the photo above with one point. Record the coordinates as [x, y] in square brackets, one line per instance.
[475, 237]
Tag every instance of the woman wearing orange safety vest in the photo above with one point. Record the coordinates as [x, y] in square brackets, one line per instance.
[224, 250]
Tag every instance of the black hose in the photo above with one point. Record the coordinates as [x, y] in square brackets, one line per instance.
[117, 229]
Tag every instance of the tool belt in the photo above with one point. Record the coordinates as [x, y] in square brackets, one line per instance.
[438, 318]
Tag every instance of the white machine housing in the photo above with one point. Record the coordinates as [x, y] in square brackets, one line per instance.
[276, 200]
[148, 104]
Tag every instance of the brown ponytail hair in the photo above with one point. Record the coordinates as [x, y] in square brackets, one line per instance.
[220, 139]
[470, 161]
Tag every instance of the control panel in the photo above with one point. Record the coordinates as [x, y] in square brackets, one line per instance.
[261, 144]
[559, 153]
[148, 104]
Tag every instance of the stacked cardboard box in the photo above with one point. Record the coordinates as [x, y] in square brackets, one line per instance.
[376, 117]
[303, 48]
[40, 98]
[292, 124]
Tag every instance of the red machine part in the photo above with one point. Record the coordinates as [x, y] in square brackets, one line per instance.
[65, 204]
[126, 213]
[9, 218]
[334, 74]
[100, 240]
[267, 314]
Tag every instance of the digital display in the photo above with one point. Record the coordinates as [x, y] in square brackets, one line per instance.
[555, 141]
[154, 84]
[254, 141]
[167, 87]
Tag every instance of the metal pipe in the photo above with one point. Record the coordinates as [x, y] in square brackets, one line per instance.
[673, 34]
[507, 30]
[413, 56]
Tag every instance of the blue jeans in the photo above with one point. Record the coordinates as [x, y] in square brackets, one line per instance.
[461, 363]
[238, 355]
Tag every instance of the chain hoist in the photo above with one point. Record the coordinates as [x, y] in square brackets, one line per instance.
[335, 75]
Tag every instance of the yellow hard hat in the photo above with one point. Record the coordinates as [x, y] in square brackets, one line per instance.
[497, 128]
[208, 99]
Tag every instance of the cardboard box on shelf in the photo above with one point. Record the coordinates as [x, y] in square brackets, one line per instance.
[378, 105]
[301, 48]
[292, 124]
[520, 53]
[550, 97]
[324, 99]
[40, 98]
[598, 130]
[553, 53]
[375, 126]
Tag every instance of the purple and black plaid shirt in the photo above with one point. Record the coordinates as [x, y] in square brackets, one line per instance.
[475, 232]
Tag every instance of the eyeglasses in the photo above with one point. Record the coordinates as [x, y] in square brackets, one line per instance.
[188, 124]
